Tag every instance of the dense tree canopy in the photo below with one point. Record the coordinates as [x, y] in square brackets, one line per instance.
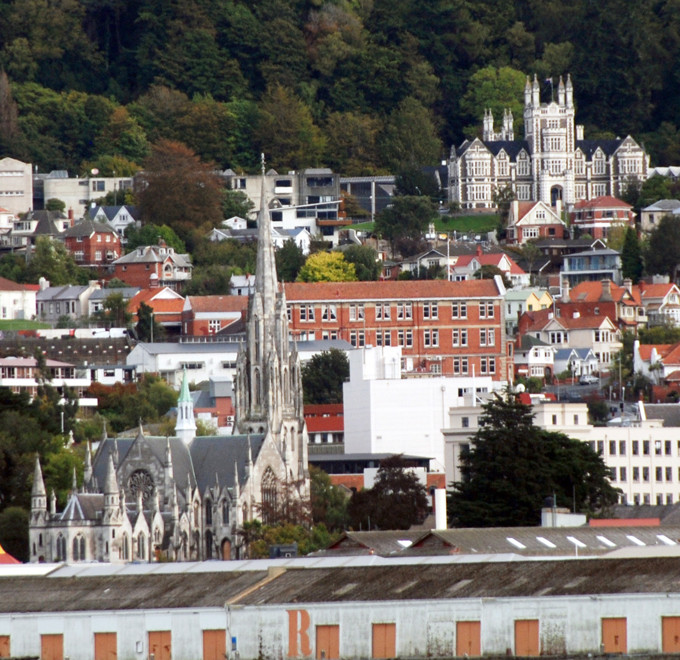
[327, 267]
[359, 86]
[323, 376]
[662, 256]
[513, 465]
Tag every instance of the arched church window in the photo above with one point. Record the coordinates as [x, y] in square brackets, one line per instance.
[126, 547]
[257, 387]
[61, 548]
[82, 548]
[197, 520]
[141, 480]
[157, 536]
[225, 511]
[208, 512]
[269, 496]
[141, 546]
[76, 549]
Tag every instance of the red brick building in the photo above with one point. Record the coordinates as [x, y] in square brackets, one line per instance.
[92, 244]
[152, 266]
[208, 315]
[452, 328]
[597, 216]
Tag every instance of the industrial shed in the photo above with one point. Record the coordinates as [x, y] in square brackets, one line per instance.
[343, 607]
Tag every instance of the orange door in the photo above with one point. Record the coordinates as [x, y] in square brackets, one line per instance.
[614, 637]
[468, 638]
[105, 646]
[214, 644]
[51, 647]
[328, 642]
[384, 640]
[4, 646]
[526, 637]
[670, 634]
[160, 644]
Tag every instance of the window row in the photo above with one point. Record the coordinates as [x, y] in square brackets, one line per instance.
[638, 447]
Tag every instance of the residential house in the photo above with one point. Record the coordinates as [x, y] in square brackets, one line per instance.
[552, 163]
[556, 249]
[661, 301]
[28, 228]
[467, 267]
[598, 216]
[119, 217]
[430, 260]
[150, 266]
[93, 244]
[166, 306]
[7, 220]
[577, 361]
[373, 193]
[624, 305]
[518, 301]
[16, 185]
[651, 215]
[591, 265]
[450, 328]
[17, 301]
[659, 362]
[98, 297]
[598, 333]
[528, 221]
[242, 285]
[72, 301]
[210, 315]
[213, 403]
[534, 358]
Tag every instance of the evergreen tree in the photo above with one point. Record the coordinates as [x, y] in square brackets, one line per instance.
[323, 376]
[631, 256]
[513, 465]
[663, 249]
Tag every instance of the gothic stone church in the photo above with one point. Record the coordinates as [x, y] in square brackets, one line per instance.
[552, 163]
[186, 497]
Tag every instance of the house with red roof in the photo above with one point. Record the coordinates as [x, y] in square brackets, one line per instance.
[443, 327]
[209, 315]
[466, 267]
[661, 364]
[597, 216]
[17, 301]
[662, 302]
[166, 305]
[559, 330]
[622, 304]
[535, 220]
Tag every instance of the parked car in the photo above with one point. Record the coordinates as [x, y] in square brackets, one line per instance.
[588, 379]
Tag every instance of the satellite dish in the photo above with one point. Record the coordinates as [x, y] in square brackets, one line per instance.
[520, 388]
[94, 171]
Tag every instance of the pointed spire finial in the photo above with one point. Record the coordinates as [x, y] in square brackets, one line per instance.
[74, 481]
[38, 489]
[110, 482]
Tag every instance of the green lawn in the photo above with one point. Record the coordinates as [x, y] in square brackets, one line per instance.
[14, 324]
[476, 224]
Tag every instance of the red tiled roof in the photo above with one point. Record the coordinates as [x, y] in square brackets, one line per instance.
[540, 318]
[6, 558]
[592, 292]
[313, 409]
[673, 376]
[655, 290]
[390, 290]
[645, 350]
[218, 303]
[606, 201]
[333, 424]
[524, 208]
[9, 285]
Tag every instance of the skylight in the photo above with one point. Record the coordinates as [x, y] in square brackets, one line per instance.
[516, 543]
[664, 539]
[635, 540]
[576, 542]
[545, 542]
[606, 541]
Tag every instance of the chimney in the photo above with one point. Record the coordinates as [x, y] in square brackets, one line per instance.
[628, 285]
[606, 291]
[479, 250]
[565, 290]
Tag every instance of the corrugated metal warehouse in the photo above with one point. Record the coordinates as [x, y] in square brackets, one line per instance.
[349, 607]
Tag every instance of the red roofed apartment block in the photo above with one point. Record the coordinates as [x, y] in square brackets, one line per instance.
[597, 216]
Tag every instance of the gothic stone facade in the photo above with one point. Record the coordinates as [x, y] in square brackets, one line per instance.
[553, 162]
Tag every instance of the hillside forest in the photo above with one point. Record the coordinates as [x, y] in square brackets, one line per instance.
[362, 86]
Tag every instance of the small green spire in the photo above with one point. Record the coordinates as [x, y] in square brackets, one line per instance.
[184, 395]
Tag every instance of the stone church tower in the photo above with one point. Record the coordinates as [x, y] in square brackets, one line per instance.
[268, 386]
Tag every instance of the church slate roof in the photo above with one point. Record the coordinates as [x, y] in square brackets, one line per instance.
[83, 506]
[217, 455]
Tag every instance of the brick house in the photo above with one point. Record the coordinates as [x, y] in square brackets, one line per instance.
[597, 216]
[93, 244]
[449, 328]
[153, 266]
[534, 220]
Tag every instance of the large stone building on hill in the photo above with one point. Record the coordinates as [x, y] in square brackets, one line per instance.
[187, 497]
[553, 162]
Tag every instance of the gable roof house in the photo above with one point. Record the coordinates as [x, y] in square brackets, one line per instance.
[622, 304]
[93, 244]
[118, 217]
[53, 302]
[661, 301]
[533, 220]
[534, 358]
[165, 303]
[651, 215]
[598, 216]
[17, 301]
[208, 315]
[466, 267]
[151, 266]
[26, 229]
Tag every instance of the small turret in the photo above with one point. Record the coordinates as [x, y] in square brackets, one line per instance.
[536, 92]
[560, 92]
[185, 425]
[111, 490]
[87, 474]
[53, 503]
[569, 91]
[38, 492]
[527, 92]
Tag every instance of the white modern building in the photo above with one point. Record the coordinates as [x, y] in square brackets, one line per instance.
[385, 413]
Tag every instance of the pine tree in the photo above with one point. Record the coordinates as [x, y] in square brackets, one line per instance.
[631, 256]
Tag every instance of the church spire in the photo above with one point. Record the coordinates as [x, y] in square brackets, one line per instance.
[265, 275]
[38, 492]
